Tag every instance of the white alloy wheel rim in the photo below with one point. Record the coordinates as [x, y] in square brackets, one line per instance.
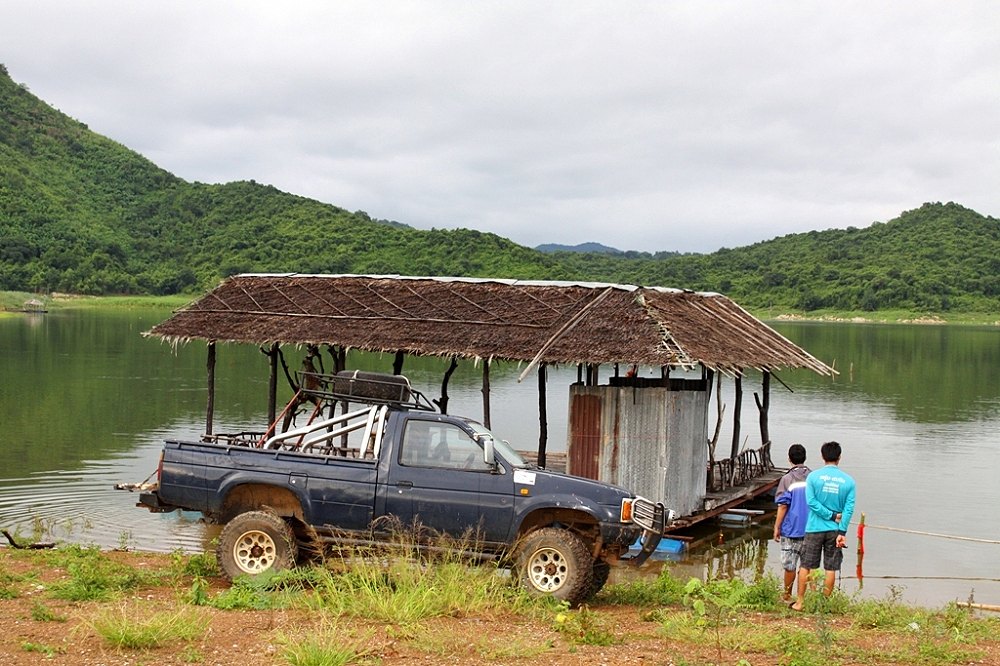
[547, 569]
[254, 551]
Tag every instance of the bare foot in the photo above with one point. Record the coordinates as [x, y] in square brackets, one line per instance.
[796, 606]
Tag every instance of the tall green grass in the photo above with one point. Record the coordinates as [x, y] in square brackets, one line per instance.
[135, 628]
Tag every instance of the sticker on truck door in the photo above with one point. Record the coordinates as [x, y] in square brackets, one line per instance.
[525, 477]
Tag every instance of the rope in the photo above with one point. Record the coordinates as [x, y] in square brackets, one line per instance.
[932, 534]
[972, 578]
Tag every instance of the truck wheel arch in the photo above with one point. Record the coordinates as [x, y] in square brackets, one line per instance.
[256, 496]
[575, 520]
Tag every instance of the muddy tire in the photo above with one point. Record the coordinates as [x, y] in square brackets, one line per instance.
[254, 542]
[555, 562]
[602, 570]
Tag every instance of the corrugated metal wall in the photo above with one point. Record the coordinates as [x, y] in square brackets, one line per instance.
[651, 440]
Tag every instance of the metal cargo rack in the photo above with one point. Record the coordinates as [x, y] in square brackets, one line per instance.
[372, 388]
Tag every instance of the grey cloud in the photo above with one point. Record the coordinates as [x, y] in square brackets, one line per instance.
[650, 125]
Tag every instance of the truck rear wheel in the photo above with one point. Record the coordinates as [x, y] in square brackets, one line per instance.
[254, 542]
[554, 561]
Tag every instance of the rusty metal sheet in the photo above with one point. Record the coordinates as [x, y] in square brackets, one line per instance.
[585, 435]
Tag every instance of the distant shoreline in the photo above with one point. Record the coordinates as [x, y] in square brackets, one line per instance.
[12, 303]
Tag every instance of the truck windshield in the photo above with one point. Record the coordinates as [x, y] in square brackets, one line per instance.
[500, 446]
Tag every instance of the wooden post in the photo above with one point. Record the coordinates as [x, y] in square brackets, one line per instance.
[272, 384]
[397, 364]
[486, 393]
[543, 418]
[737, 408]
[210, 410]
[763, 404]
[442, 402]
[579, 373]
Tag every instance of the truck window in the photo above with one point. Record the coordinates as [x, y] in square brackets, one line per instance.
[440, 445]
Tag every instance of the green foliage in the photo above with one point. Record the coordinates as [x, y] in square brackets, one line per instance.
[887, 613]
[42, 613]
[402, 590]
[8, 585]
[80, 213]
[584, 627]
[41, 648]
[93, 577]
[663, 590]
[270, 590]
[199, 565]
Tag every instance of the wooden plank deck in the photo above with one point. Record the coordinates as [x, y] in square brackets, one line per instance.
[715, 503]
[730, 498]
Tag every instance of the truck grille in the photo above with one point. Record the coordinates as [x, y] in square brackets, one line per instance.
[647, 514]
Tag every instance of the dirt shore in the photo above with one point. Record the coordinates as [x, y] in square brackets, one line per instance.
[38, 628]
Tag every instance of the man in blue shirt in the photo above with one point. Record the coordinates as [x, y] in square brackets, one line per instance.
[830, 494]
[790, 523]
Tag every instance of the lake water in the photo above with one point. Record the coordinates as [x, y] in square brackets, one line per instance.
[85, 402]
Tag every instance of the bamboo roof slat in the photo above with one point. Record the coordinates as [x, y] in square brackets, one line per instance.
[515, 320]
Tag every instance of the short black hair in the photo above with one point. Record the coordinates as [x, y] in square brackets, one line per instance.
[830, 452]
[796, 454]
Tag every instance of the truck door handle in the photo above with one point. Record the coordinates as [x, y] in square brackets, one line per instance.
[404, 484]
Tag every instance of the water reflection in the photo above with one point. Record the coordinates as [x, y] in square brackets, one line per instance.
[86, 402]
[924, 374]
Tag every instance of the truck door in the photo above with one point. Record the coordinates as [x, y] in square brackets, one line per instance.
[439, 478]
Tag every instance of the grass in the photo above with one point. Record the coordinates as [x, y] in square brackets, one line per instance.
[14, 300]
[42, 613]
[584, 627]
[331, 645]
[881, 316]
[41, 648]
[133, 627]
[402, 588]
[90, 576]
[370, 607]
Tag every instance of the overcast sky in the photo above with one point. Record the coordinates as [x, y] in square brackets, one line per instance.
[683, 126]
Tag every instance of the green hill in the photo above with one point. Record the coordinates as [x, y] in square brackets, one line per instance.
[82, 213]
[937, 258]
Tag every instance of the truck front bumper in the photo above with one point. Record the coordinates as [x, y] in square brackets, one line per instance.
[652, 518]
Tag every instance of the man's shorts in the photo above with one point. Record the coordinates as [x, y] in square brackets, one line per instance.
[791, 548]
[825, 543]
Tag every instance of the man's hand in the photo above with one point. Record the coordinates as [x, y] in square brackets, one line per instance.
[841, 541]
[777, 536]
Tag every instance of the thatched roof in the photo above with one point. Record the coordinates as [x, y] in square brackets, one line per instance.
[516, 320]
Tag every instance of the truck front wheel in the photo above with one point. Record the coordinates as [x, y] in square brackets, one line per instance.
[554, 561]
[254, 542]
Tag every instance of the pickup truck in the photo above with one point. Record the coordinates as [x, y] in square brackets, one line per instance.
[389, 459]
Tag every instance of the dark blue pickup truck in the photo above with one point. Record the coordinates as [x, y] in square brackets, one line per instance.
[388, 459]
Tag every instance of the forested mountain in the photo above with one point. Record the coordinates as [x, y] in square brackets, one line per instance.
[579, 247]
[937, 258]
[81, 213]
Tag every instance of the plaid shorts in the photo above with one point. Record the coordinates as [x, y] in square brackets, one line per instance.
[791, 549]
[825, 544]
